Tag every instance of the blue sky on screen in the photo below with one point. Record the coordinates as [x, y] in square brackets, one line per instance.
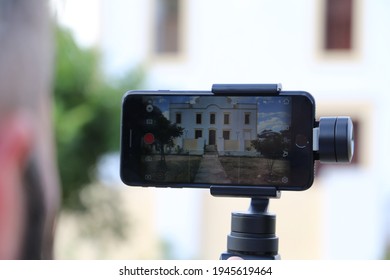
[274, 113]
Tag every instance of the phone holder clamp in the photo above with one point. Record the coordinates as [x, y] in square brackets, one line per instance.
[252, 235]
[246, 89]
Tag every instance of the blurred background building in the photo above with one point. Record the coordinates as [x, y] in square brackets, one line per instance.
[338, 50]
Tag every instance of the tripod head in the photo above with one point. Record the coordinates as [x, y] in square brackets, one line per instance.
[252, 234]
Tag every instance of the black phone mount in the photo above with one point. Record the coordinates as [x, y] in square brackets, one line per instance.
[252, 235]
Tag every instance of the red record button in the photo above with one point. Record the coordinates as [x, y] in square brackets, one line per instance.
[149, 138]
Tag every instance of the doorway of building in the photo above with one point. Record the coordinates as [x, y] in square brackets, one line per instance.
[212, 135]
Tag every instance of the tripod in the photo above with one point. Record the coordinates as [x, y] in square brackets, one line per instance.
[252, 235]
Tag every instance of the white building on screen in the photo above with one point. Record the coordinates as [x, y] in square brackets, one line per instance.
[216, 124]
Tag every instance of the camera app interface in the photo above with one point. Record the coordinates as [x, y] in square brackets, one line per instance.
[216, 139]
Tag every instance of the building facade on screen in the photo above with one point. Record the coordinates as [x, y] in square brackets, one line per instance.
[217, 124]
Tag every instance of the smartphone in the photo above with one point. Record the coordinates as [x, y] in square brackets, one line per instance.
[196, 139]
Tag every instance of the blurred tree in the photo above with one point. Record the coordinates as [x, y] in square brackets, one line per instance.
[87, 114]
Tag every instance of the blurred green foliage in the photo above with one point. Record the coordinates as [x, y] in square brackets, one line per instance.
[87, 108]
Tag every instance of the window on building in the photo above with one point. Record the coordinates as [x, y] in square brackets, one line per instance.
[212, 118]
[226, 119]
[167, 26]
[198, 118]
[198, 133]
[226, 134]
[178, 118]
[247, 118]
[338, 24]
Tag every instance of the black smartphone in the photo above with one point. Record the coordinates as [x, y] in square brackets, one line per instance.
[197, 139]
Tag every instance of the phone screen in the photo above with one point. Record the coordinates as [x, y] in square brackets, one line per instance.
[213, 140]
